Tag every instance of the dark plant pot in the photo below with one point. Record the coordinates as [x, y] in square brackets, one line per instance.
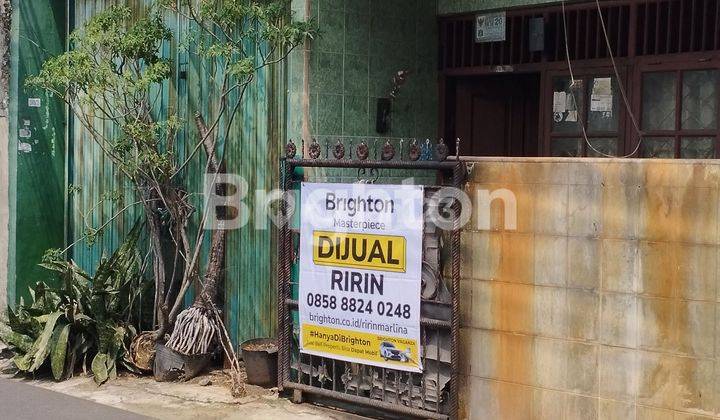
[261, 361]
[173, 366]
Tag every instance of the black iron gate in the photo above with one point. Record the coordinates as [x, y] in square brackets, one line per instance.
[432, 393]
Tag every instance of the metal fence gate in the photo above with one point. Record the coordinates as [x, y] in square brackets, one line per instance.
[432, 393]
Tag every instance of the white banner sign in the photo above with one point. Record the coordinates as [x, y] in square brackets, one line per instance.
[360, 262]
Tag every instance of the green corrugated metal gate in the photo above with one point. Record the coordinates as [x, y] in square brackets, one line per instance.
[252, 151]
[36, 159]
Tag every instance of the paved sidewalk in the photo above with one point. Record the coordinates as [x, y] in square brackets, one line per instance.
[26, 402]
[169, 400]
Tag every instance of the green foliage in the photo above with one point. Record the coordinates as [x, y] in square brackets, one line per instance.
[59, 352]
[85, 318]
[115, 74]
[228, 29]
[114, 70]
[113, 66]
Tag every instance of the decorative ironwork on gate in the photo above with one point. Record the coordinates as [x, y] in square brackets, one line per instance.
[434, 392]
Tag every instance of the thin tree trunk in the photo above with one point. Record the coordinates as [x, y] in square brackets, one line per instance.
[215, 267]
[155, 227]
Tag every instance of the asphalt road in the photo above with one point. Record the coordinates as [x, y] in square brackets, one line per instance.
[26, 402]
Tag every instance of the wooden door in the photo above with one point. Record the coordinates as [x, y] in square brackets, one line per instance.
[497, 115]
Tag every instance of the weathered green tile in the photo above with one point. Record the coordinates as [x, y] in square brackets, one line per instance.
[332, 27]
[357, 33]
[384, 33]
[314, 107]
[393, 7]
[327, 75]
[330, 5]
[382, 70]
[426, 66]
[355, 115]
[356, 74]
[427, 8]
[379, 87]
[314, 69]
[372, 118]
[357, 6]
[379, 83]
[406, 35]
[329, 114]
[393, 45]
[402, 118]
[295, 70]
[421, 83]
[359, 55]
[426, 118]
[295, 114]
[294, 126]
[426, 37]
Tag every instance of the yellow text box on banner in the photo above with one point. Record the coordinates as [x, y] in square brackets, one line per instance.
[357, 250]
[360, 346]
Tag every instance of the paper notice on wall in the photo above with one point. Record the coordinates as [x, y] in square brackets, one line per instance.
[602, 86]
[570, 102]
[559, 102]
[571, 116]
[24, 147]
[601, 98]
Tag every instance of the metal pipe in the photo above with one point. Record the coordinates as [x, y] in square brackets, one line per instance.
[405, 164]
[458, 174]
[283, 279]
[400, 409]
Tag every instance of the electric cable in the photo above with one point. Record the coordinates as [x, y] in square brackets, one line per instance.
[619, 82]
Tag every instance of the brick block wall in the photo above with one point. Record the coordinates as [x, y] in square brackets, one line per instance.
[604, 302]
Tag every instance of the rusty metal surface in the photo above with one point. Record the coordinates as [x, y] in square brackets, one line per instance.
[284, 261]
[429, 165]
[458, 174]
[360, 400]
[424, 394]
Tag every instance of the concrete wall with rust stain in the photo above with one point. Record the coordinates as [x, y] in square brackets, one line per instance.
[604, 303]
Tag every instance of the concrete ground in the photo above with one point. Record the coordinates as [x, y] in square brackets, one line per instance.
[146, 397]
[23, 401]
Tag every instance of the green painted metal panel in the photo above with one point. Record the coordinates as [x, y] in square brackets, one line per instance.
[37, 146]
[251, 149]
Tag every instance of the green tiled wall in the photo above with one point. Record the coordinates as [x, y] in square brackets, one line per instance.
[362, 45]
